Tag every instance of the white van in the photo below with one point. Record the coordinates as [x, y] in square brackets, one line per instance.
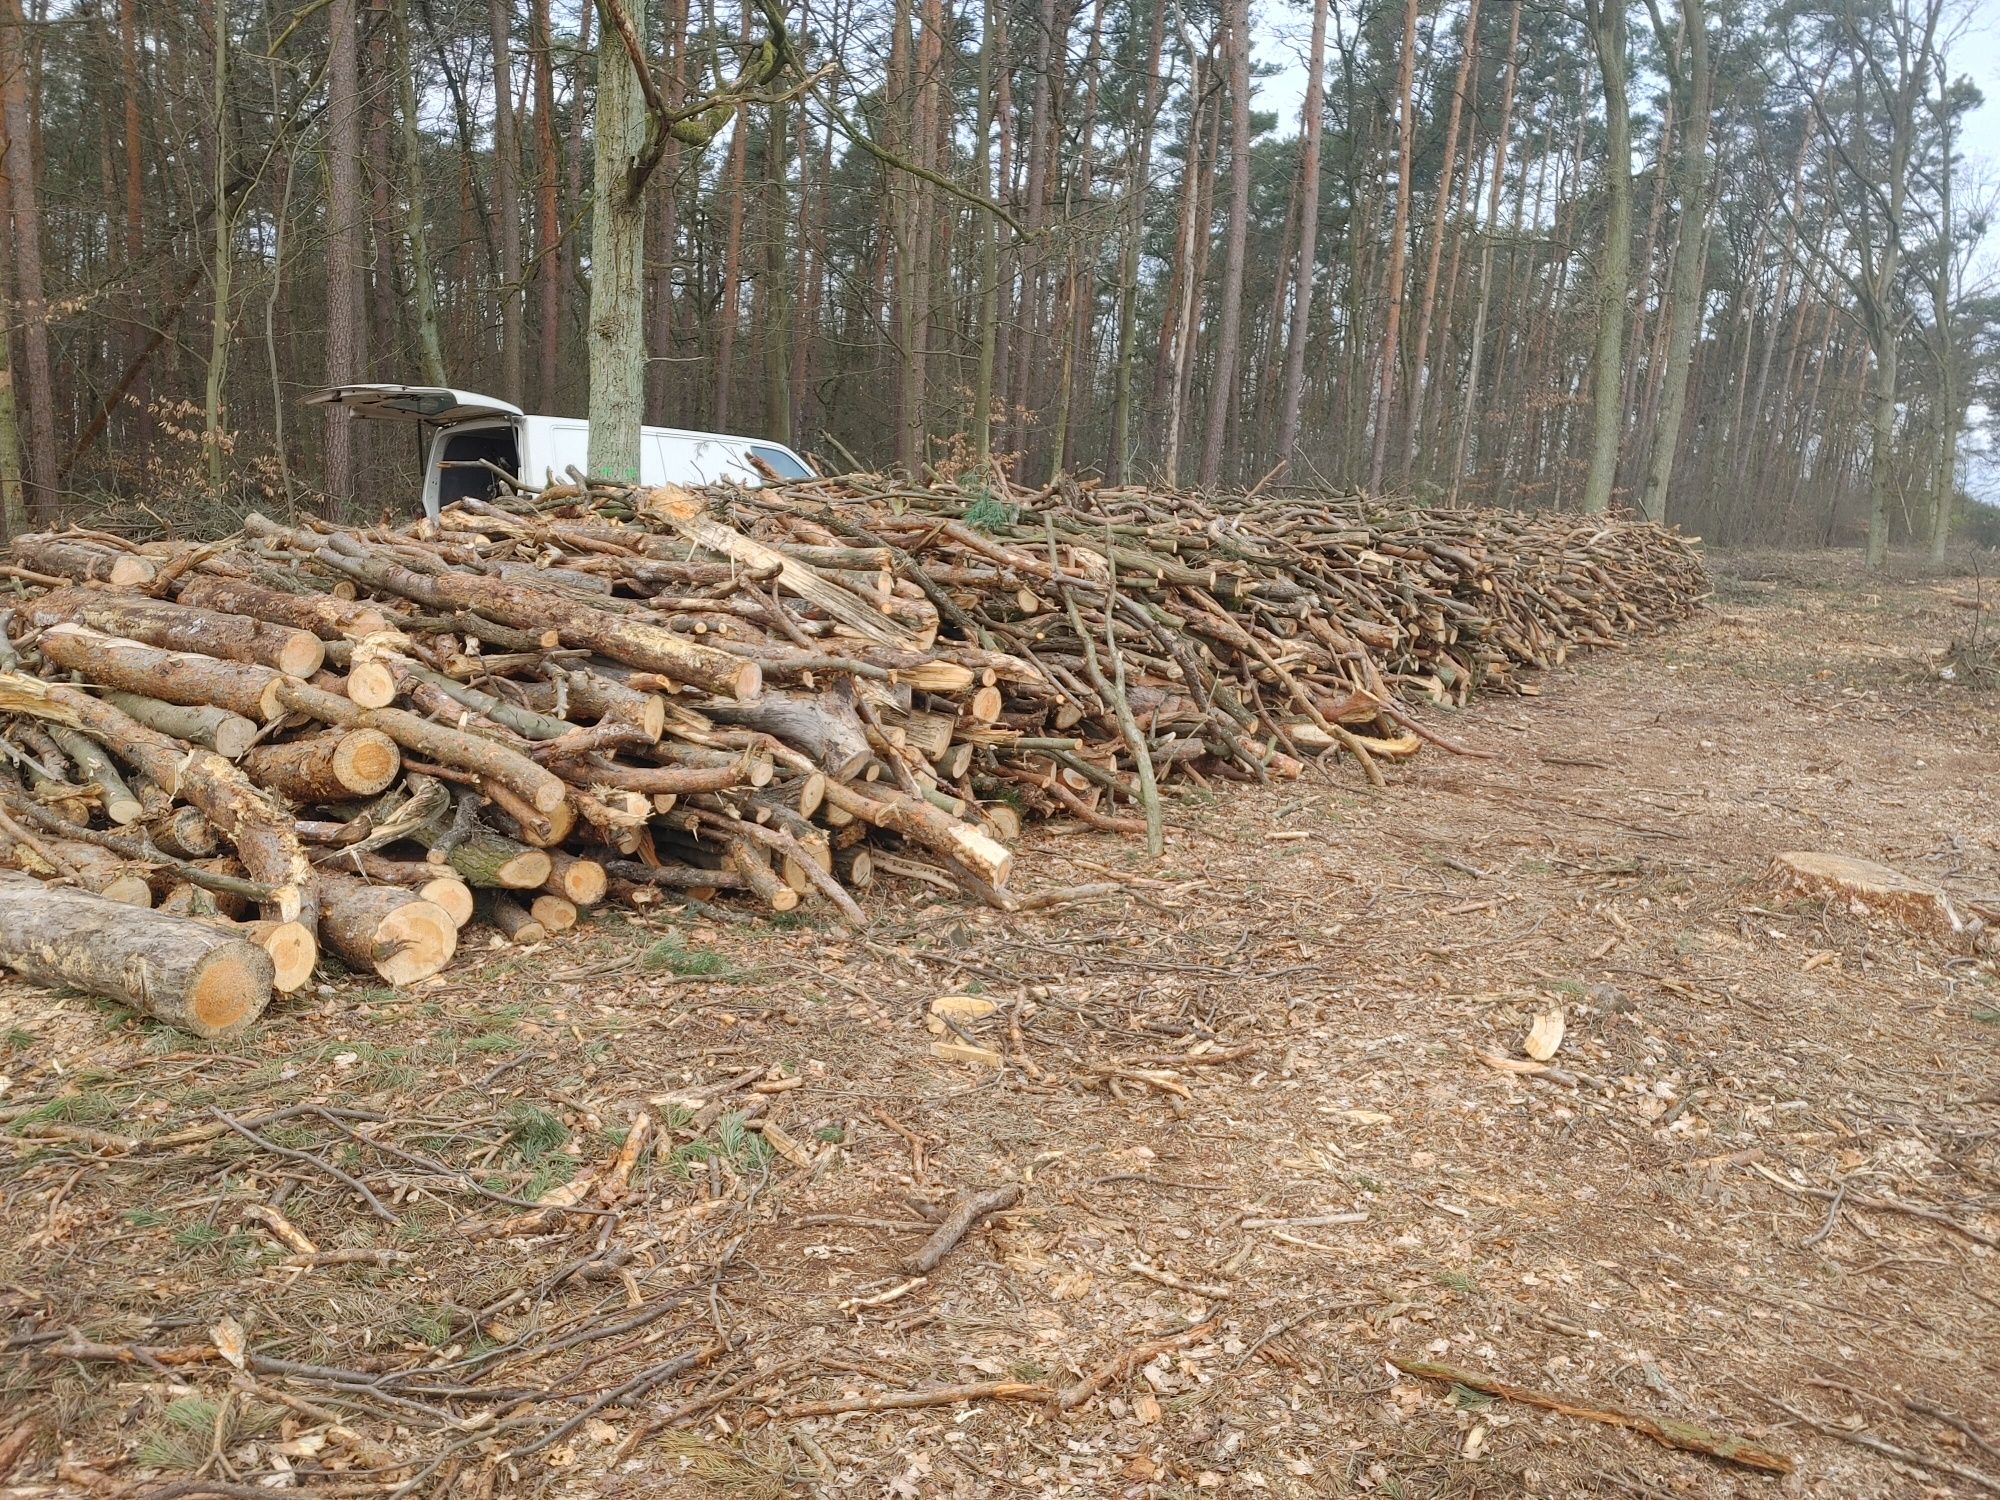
[456, 430]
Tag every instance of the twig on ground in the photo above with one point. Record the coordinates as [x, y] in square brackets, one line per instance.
[969, 1212]
[1671, 1431]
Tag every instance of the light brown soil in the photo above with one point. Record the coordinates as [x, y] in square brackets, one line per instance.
[1648, 1228]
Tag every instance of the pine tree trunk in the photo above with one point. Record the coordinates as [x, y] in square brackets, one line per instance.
[507, 199]
[548, 222]
[206, 980]
[1420, 361]
[732, 262]
[1399, 235]
[1690, 262]
[988, 232]
[343, 242]
[1606, 23]
[423, 290]
[1230, 315]
[222, 264]
[1140, 154]
[1302, 284]
[777, 330]
[136, 267]
[37, 397]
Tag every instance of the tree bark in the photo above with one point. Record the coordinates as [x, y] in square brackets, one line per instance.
[548, 213]
[1399, 235]
[1420, 374]
[188, 974]
[37, 398]
[507, 199]
[343, 243]
[1690, 259]
[1302, 283]
[617, 333]
[1605, 20]
[1230, 314]
[338, 766]
[180, 627]
[387, 930]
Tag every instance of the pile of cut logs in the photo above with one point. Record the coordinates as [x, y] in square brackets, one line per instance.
[362, 739]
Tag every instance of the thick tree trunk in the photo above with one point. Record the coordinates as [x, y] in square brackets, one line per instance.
[323, 615]
[726, 310]
[1399, 236]
[1690, 262]
[188, 974]
[548, 213]
[617, 331]
[1138, 188]
[507, 199]
[1420, 373]
[183, 677]
[423, 289]
[84, 561]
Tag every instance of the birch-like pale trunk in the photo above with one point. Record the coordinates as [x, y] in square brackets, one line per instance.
[616, 336]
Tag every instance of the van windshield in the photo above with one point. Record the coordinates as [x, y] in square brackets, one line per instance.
[782, 463]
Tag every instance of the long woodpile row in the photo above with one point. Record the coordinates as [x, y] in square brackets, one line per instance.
[363, 739]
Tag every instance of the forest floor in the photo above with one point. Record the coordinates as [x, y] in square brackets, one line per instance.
[1708, 1221]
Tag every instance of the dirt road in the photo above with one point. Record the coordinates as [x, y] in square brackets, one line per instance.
[1761, 1196]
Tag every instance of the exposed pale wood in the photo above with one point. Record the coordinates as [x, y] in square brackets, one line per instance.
[386, 930]
[227, 734]
[179, 627]
[174, 676]
[326, 617]
[578, 880]
[336, 766]
[185, 973]
[85, 561]
[555, 913]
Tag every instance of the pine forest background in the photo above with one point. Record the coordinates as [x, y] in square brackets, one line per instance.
[1715, 260]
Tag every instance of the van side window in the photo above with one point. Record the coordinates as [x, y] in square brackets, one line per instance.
[782, 463]
[460, 474]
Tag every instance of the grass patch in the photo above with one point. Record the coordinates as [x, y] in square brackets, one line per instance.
[429, 1325]
[668, 955]
[533, 1132]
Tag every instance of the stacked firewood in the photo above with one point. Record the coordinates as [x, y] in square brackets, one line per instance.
[363, 739]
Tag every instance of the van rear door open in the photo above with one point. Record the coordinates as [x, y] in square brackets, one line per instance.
[436, 404]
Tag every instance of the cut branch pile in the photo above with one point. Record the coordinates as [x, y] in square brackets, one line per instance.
[363, 739]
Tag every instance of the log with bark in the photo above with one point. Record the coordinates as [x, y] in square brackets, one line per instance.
[775, 696]
[188, 974]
